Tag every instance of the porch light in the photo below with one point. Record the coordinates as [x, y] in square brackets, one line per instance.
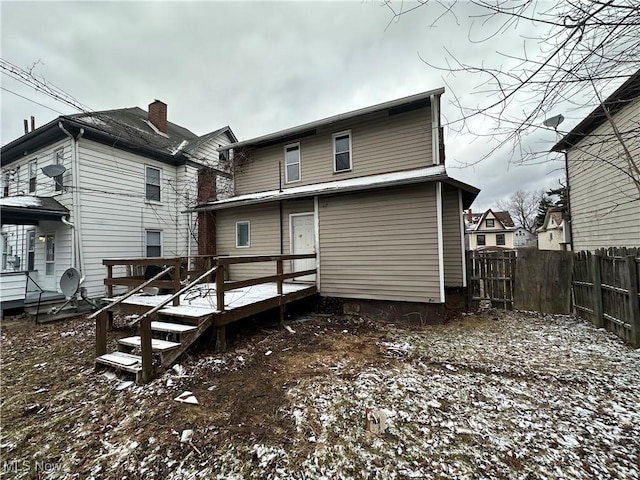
[41, 238]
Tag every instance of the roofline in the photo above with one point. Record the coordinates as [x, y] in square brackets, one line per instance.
[336, 118]
[621, 97]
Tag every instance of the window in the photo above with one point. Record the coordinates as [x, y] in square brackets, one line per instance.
[33, 173]
[500, 239]
[243, 233]
[31, 250]
[342, 151]
[292, 163]
[58, 159]
[5, 250]
[50, 256]
[481, 240]
[154, 243]
[5, 184]
[490, 222]
[153, 184]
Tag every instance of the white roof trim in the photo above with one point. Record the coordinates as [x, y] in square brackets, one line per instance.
[428, 174]
[336, 118]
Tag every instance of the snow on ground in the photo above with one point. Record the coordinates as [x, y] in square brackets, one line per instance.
[498, 396]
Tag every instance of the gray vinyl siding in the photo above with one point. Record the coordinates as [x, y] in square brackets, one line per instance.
[380, 144]
[264, 237]
[380, 245]
[452, 248]
[605, 204]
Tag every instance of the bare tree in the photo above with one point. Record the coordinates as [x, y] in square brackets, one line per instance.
[580, 48]
[523, 205]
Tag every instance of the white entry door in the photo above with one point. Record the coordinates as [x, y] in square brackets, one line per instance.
[303, 241]
[50, 282]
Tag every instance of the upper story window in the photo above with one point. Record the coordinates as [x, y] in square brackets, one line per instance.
[481, 240]
[292, 162]
[243, 234]
[5, 184]
[500, 239]
[153, 184]
[490, 222]
[33, 174]
[154, 243]
[342, 151]
[58, 159]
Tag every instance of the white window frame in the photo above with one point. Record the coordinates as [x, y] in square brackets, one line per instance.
[33, 175]
[248, 224]
[146, 183]
[50, 260]
[299, 162]
[147, 245]
[334, 137]
[31, 250]
[58, 159]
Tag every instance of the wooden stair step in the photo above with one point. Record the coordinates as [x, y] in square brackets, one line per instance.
[187, 311]
[171, 327]
[122, 361]
[156, 344]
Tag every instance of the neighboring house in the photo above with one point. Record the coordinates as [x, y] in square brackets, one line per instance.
[553, 234]
[367, 191]
[103, 185]
[603, 188]
[495, 231]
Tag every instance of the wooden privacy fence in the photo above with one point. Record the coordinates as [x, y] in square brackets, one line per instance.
[490, 276]
[605, 290]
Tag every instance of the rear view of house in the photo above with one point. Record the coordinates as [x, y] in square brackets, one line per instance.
[96, 185]
[367, 191]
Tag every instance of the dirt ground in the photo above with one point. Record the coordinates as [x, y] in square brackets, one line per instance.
[485, 396]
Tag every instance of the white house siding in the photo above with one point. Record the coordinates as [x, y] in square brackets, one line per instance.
[452, 238]
[114, 212]
[380, 245]
[380, 144]
[605, 204]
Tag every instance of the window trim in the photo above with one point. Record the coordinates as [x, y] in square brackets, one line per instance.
[484, 240]
[504, 239]
[335, 163]
[146, 242]
[31, 250]
[493, 222]
[147, 183]
[49, 261]
[33, 175]
[58, 180]
[299, 163]
[248, 224]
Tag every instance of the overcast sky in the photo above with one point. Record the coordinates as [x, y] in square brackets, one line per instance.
[259, 67]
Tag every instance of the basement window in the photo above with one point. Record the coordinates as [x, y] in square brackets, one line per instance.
[243, 234]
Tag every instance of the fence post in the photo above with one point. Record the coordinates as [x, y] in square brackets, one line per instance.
[634, 303]
[597, 292]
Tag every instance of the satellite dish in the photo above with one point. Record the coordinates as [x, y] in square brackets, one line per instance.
[69, 282]
[53, 170]
[554, 121]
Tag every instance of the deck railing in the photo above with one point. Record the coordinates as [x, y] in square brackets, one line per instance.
[216, 265]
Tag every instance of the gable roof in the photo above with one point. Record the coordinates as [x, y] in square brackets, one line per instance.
[503, 217]
[625, 94]
[126, 128]
[552, 213]
[410, 102]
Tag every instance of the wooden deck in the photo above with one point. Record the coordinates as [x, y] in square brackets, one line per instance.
[171, 322]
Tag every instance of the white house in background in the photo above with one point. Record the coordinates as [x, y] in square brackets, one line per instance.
[553, 234]
[604, 196]
[495, 231]
[102, 185]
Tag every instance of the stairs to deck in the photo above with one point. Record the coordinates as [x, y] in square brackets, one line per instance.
[170, 339]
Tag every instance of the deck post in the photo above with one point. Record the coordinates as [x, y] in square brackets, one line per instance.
[176, 280]
[110, 276]
[279, 272]
[221, 338]
[220, 288]
[147, 353]
[101, 333]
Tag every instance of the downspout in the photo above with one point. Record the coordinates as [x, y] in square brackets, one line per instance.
[78, 255]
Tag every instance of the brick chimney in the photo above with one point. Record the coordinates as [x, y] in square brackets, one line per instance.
[158, 115]
[470, 216]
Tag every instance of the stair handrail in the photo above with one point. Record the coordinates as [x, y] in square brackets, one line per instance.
[177, 294]
[128, 294]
